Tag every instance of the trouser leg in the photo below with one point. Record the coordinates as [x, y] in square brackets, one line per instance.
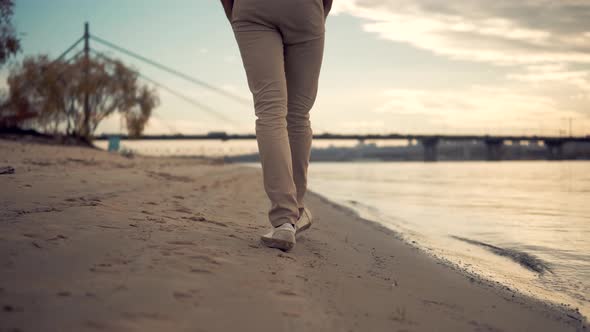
[263, 57]
[302, 68]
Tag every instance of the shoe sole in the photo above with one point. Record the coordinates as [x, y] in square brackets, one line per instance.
[278, 243]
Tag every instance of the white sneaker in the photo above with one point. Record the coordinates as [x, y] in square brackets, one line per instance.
[282, 237]
[304, 221]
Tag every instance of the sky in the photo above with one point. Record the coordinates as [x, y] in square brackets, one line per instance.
[498, 67]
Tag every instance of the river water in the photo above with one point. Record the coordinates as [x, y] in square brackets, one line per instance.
[525, 224]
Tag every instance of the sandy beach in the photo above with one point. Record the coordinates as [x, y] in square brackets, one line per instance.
[91, 240]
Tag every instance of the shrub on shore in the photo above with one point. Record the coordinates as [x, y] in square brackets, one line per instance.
[51, 96]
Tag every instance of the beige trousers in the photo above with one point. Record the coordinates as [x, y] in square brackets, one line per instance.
[281, 43]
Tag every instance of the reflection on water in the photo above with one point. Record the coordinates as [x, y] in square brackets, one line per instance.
[526, 224]
[214, 148]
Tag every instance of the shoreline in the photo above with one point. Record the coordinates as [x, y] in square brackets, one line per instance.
[501, 288]
[91, 240]
[483, 233]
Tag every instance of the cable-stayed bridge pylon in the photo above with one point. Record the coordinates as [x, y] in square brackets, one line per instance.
[87, 36]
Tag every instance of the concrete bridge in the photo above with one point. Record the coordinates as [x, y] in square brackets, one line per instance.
[494, 144]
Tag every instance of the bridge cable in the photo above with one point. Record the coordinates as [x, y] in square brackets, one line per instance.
[187, 99]
[69, 49]
[177, 73]
[171, 128]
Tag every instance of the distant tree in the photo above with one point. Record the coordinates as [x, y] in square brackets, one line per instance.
[9, 43]
[50, 96]
[138, 115]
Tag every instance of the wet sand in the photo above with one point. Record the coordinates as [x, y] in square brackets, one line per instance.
[96, 241]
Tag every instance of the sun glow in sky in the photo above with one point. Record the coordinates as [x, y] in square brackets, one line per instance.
[408, 66]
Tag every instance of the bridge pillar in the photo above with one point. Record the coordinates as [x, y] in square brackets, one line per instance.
[430, 145]
[554, 149]
[494, 148]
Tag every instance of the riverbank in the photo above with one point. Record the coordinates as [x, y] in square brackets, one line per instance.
[522, 224]
[96, 241]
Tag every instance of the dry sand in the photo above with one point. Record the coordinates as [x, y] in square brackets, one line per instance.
[95, 241]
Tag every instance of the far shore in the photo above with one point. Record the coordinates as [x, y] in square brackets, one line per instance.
[92, 240]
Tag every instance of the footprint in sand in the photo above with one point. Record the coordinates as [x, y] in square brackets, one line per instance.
[291, 314]
[200, 270]
[58, 237]
[6, 170]
[158, 220]
[170, 177]
[281, 255]
[182, 243]
[181, 295]
[21, 212]
[206, 259]
[205, 220]
[103, 268]
[84, 201]
[31, 235]
[183, 209]
[12, 308]
[137, 316]
[287, 293]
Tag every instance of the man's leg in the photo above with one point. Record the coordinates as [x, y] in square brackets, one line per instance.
[263, 58]
[302, 67]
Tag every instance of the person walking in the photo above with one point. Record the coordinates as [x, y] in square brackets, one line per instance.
[281, 44]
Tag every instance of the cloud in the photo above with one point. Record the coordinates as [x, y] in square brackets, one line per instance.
[372, 126]
[578, 79]
[501, 32]
[543, 45]
[476, 110]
